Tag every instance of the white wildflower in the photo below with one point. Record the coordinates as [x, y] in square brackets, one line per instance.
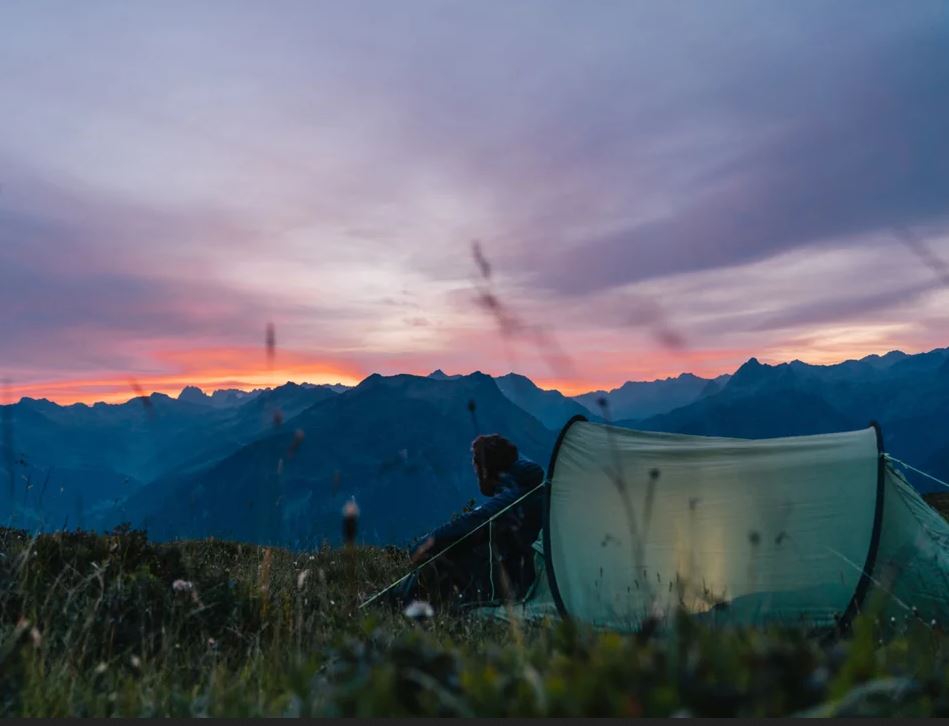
[182, 586]
[101, 668]
[419, 610]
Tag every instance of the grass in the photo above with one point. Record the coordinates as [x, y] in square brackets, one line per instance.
[115, 625]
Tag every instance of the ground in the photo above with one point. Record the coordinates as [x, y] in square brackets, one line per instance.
[115, 625]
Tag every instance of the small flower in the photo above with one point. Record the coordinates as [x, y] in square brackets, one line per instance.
[419, 610]
[101, 668]
[212, 643]
[182, 586]
[136, 662]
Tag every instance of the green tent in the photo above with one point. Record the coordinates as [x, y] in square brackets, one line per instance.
[806, 530]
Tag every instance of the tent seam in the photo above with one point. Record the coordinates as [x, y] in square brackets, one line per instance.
[548, 552]
[866, 576]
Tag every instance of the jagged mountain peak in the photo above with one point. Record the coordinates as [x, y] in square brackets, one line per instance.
[193, 394]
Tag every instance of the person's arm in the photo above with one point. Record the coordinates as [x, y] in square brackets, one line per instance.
[458, 528]
[529, 476]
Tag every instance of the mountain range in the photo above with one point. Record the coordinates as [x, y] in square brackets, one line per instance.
[276, 465]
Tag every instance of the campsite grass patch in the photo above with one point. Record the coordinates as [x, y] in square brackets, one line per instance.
[115, 625]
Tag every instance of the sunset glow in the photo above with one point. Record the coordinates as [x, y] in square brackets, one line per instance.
[169, 190]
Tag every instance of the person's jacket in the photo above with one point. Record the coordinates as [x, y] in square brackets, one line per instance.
[513, 532]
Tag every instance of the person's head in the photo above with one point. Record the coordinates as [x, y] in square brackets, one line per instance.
[491, 456]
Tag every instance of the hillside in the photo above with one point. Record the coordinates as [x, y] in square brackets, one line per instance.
[70, 462]
[551, 408]
[96, 625]
[398, 444]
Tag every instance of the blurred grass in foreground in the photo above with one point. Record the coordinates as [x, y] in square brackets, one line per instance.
[113, 625]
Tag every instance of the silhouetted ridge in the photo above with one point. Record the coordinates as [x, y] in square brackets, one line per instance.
[193, 394]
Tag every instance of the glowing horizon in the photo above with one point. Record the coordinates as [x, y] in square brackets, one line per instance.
[120, 389]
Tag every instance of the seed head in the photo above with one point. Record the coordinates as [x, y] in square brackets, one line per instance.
[350, 521]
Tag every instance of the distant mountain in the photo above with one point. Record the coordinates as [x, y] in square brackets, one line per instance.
[95, 454]
[758, 402]
[281, 403]
[47, 496]
[907, 395]
[263, 412]
[193, 394]
[440, 375]
[551, 408]
[398, 444]
[136, 438]
[640, 399]
[231, 397]
[334, 387]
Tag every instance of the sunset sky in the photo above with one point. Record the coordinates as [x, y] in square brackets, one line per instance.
[658, 187]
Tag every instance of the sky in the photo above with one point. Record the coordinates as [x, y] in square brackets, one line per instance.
[651, 188]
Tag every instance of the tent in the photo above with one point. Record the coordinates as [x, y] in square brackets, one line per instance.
[800, 530]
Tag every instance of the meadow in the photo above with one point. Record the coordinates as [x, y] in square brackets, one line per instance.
[115, 625]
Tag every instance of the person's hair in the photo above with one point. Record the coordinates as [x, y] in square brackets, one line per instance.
[493, 454]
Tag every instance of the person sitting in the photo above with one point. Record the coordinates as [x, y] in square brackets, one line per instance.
[493, 560]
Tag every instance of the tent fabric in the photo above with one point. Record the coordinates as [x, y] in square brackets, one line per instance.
[912, 567]
[799, 530]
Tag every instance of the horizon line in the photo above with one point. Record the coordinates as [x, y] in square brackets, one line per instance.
[176, 385]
